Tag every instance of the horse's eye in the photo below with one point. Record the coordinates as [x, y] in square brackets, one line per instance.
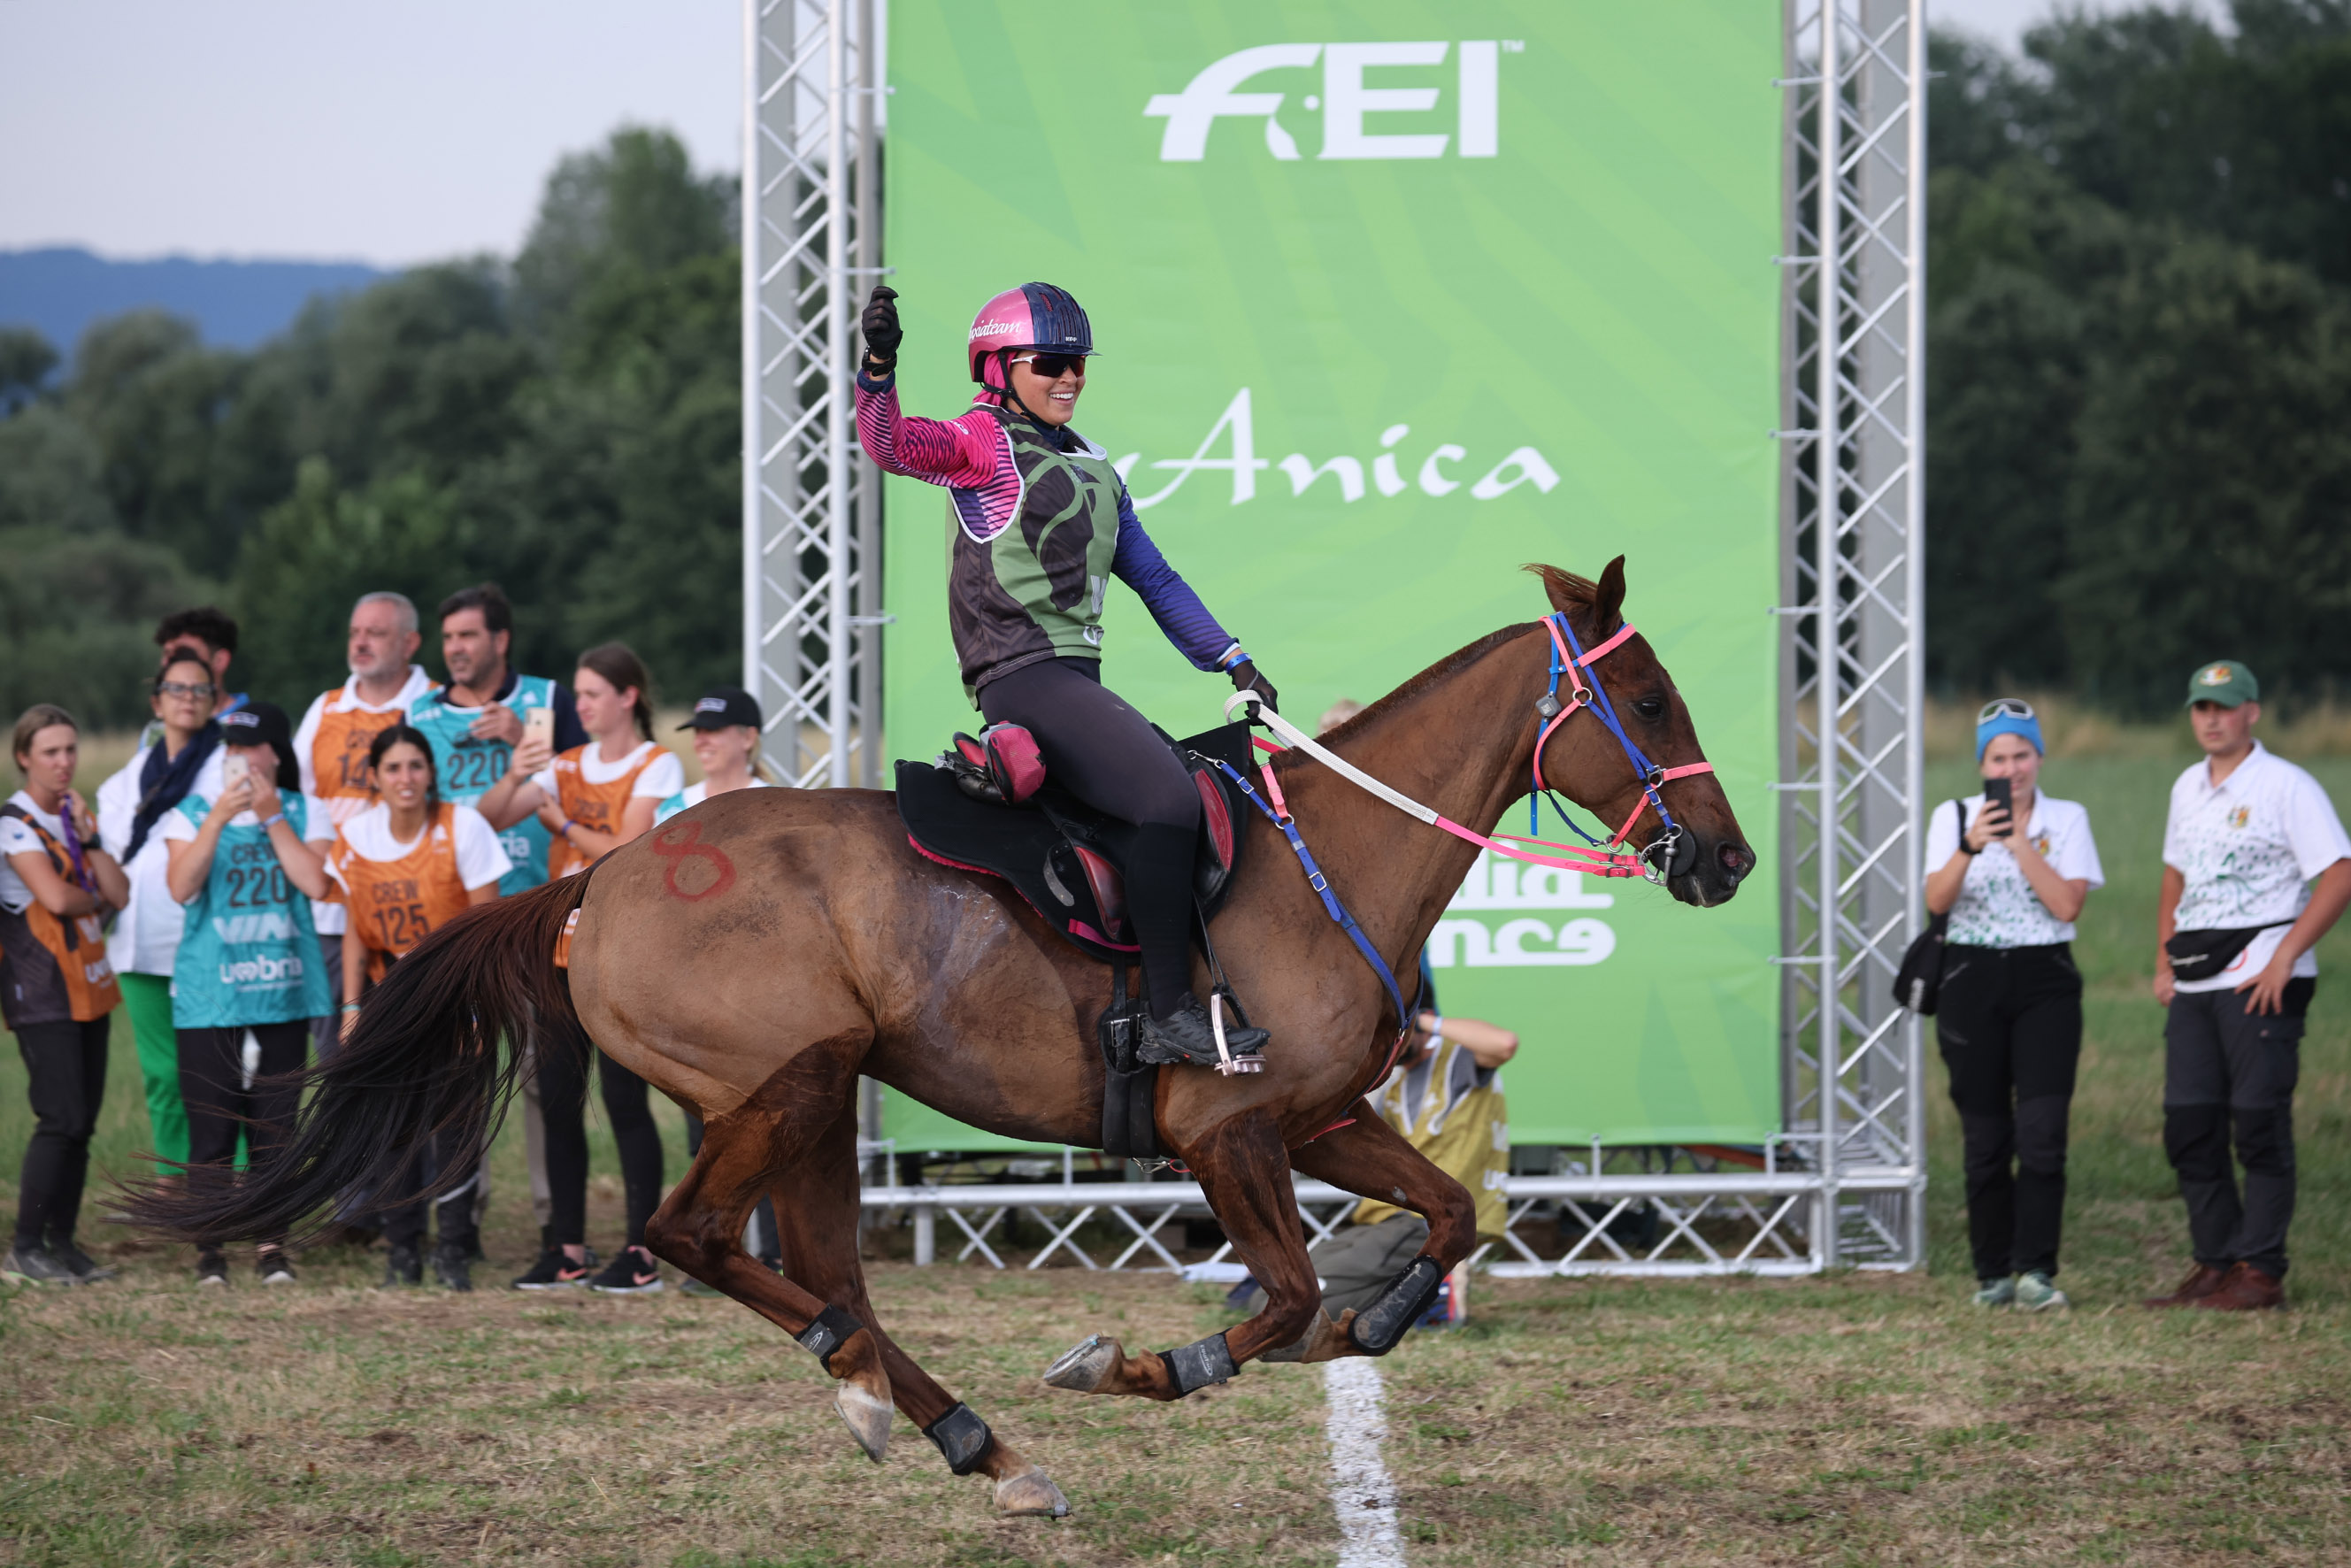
[1651, 709]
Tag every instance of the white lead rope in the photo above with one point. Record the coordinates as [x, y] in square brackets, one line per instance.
[1293, 736]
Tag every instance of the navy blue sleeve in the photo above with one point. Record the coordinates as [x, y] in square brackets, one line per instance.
[569, 731]
[1172, 604]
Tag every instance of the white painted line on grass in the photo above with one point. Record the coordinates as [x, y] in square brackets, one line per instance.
[1360, 1492]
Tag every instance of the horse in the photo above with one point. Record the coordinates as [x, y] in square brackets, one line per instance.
[753, 956]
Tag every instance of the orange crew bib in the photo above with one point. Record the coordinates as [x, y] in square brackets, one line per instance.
[395, 905]
[597, 806]
[339, 754]
[50, 955]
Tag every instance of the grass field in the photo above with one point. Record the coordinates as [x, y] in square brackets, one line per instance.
[1854, 1419]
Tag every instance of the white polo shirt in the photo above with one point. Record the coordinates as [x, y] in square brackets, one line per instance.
[1997, 907]
[2248, 849]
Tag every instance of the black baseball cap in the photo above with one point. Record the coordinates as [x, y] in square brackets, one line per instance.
[264, 723]
[724, 707]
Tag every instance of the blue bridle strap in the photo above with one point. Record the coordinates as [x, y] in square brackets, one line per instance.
[1321, 885]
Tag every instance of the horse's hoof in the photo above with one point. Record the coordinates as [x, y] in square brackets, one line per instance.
[1084, 1367]
[867, 1419]
[1030, 1495]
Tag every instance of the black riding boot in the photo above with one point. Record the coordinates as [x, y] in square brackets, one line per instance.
[1159, 900]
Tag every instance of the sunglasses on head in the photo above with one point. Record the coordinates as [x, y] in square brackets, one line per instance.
[1051, 366]
[2004, 707]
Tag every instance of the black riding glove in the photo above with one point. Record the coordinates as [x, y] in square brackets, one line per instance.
[1248, 678]
[883, 333]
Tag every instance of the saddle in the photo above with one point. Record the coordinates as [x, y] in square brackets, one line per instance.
[987, 806]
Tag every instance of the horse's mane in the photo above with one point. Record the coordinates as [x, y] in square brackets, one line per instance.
[1562, 585]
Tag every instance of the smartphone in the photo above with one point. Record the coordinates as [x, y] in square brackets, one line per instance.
[235, 770]
[539, 724]
[1999, 792]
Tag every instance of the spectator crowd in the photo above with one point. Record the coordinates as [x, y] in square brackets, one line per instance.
[239, 884]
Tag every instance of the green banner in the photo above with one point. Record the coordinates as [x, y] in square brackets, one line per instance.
[1391, 299]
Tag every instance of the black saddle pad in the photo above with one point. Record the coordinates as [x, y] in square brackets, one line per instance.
[1041, 846]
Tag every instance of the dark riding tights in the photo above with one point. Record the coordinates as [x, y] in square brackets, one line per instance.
[563, 1102]
[1107, 755]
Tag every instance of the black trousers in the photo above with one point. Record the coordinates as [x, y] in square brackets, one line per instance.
[403, 1221]
[1107, 755]
[65, 1063]
[2227, 1070]
[221, 1105]
[2008, 1021]
[563, 1109]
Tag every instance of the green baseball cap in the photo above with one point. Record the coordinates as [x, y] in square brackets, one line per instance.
[2223, 681]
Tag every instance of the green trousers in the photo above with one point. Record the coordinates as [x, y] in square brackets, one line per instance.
[148, 999]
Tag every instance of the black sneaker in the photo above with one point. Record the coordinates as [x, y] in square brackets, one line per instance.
[1185, 1034]
[271, 1265]
[36, 1266]
[212, 1269]
[452, 1266]
[403, 1267]
[556, 1272]
[85, 1268]
[632, 1272]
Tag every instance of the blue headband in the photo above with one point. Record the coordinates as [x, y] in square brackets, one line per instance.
[1998, 724]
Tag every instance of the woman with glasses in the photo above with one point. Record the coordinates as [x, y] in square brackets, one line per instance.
[185, 759]
[2008, 1017]
[1041, 523]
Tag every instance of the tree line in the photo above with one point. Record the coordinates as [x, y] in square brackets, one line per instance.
[2140, 353]
[565, 424]
[2138, 403]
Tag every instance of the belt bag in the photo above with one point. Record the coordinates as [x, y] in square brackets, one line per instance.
[1916, 985]
[2201, 955]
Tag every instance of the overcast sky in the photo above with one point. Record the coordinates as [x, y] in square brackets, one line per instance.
[321, 130]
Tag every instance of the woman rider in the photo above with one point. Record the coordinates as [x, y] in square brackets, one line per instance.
[1025, 605]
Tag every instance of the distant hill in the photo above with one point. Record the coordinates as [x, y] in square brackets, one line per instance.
[60, 290]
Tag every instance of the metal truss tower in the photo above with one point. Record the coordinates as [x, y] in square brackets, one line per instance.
[1843, 1185]
[812, 526]
[1853, 605]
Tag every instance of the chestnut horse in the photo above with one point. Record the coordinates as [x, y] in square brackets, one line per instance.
[752, 957]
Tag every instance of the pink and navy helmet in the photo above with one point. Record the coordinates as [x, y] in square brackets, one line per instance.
[1033, 316]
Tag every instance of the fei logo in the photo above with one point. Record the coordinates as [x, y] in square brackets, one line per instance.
[1343, 101]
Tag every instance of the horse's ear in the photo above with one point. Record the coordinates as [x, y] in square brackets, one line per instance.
[1608, 598]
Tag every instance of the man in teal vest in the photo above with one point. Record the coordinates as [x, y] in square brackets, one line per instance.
[475, 721]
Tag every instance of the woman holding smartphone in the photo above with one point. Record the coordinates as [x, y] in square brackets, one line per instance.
[592, 800]
[248, 962]
[407, 865]
[2011, 867]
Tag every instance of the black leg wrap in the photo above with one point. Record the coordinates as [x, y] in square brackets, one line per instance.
[1378, 1327]
[1199, 1363]
[962, 1436]
[828, 1333]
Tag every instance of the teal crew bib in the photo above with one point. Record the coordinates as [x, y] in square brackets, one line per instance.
[468, 767]
[249, 952]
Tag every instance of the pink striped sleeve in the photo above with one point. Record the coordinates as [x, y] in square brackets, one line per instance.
[966, 453]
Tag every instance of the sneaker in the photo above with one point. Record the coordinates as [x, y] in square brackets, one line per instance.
[1999, 1292]
[1185, 1034]
[2034, 1293]
[85, 1268]
[212, 1269]
[556, 1272]
[452, 1266]
[271, 1265]
[36, 1266]
[632, 1272]
[403, 1267]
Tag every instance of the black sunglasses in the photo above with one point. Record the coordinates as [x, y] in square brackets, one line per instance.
[1051, 366]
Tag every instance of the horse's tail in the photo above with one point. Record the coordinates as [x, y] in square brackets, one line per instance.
[424, 1061]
